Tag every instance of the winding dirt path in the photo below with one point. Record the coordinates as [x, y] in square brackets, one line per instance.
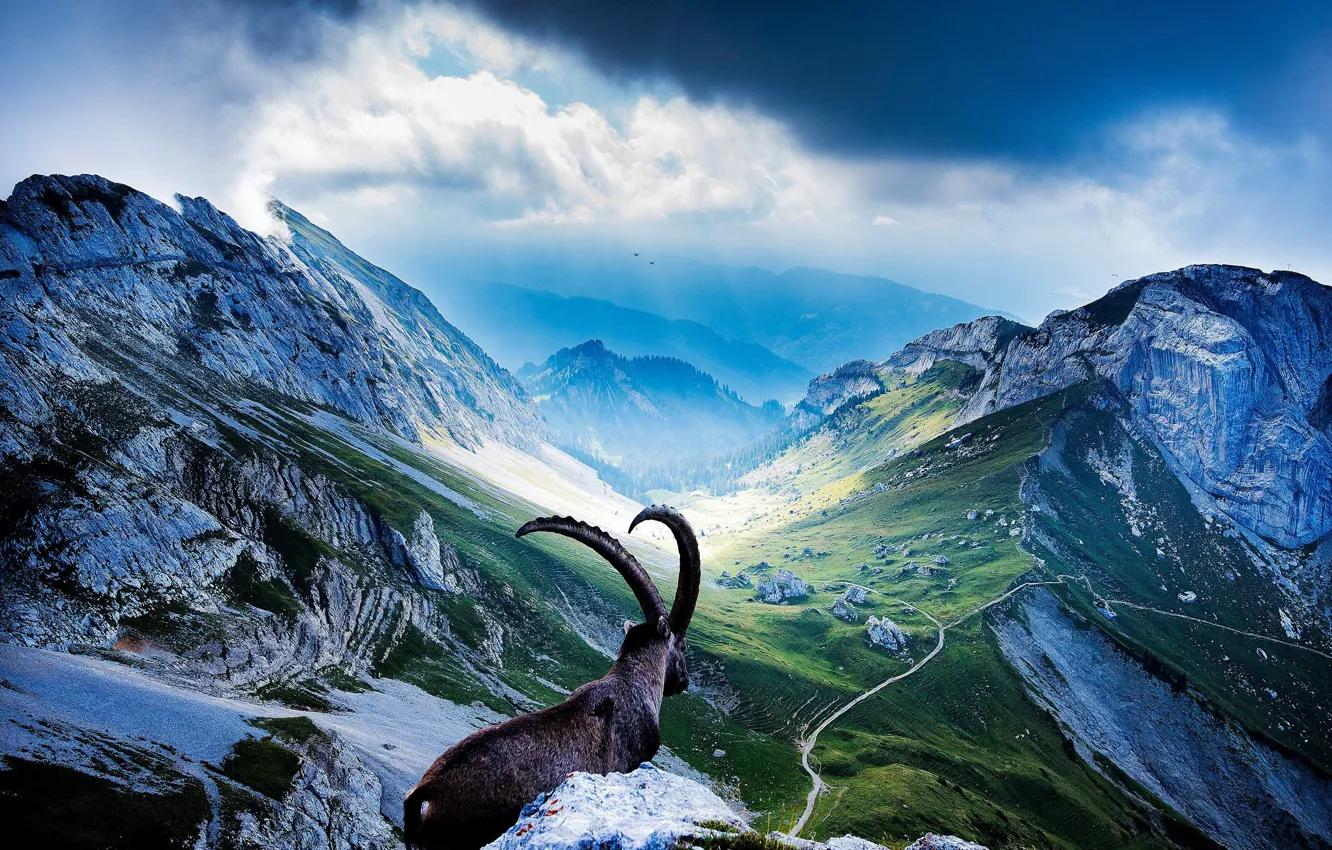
[807, 746]
[813, 738]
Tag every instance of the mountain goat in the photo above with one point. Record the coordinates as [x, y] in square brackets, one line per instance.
[477, 789]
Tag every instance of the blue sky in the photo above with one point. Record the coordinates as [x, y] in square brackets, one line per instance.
[1021, 156]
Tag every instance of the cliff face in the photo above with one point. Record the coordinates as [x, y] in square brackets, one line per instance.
[1226, 369]
[91, 270]
[1241, 793]
[162, 377]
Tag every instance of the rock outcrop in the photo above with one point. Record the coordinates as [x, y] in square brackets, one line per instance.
[650, 809]
[885, 633]
[842, 611]
[975, 343]
[785, 586]
[855, 380]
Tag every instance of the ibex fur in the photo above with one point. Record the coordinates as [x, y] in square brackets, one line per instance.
[477, 789]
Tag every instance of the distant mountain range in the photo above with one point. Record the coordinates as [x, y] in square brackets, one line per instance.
[519, 326]
[220, 487]
[640, 410]
[812, 317]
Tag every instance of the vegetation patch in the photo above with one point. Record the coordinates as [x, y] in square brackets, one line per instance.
[243, 584]
[51, 805]
[305, 695]
[263, 765]
[298, 730]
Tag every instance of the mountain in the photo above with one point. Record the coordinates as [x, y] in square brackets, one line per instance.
[242, 602]
[1051, 504]
[641, 411]
[813, 317]
[523, 325]
[1061, 587]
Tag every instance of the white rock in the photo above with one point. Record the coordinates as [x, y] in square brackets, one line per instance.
[647, 809]
[930, 841]
[885, 633]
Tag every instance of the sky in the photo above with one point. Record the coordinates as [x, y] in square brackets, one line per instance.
[1025, 157]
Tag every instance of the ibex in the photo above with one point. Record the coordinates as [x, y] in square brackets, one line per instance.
[477, 789]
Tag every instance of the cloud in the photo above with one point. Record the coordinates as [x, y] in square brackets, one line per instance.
[1035, 81]
[379, 118]
[425, 134]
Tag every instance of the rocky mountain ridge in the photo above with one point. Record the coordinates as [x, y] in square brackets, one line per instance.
[1228, 370]
[92, 266]
[152, 368]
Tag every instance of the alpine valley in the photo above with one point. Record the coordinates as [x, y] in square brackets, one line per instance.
[1055, 587]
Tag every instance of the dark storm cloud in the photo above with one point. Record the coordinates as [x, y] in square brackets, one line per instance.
[291, 29]
[1026, 79]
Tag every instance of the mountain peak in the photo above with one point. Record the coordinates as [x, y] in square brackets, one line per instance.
[309, 319]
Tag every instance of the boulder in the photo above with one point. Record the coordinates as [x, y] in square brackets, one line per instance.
[783, 587]
[843, 611]
[885, 633]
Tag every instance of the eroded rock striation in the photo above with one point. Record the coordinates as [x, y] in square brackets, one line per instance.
[1240, 792]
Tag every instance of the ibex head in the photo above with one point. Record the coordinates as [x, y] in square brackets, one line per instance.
[686, 592]
[658, 625]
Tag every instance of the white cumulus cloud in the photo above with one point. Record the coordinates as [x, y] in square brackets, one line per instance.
[380, 119]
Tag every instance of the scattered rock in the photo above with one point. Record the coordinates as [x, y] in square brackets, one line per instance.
[843, 611]
[856, 595]
[734, 581]
[783, 587]
[885, 633]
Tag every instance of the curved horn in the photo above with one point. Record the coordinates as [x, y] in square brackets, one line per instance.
[686, 592]
[610, 549]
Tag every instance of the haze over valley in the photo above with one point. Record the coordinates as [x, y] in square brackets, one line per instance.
[996, 431]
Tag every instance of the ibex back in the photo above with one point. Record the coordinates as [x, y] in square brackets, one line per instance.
[477, 789]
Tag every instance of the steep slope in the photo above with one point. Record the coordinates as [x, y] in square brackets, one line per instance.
[520, 325]
[641, 410]
[988, 456]
[1225, 370]
[88, 264]
[210, 475]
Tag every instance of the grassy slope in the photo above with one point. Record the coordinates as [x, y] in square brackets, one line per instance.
[538, 569]
[1090, 533]
[958, 747]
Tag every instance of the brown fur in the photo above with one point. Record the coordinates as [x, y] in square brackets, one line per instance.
[477, 789]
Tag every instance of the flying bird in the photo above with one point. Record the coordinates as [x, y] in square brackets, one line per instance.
[635, 253]
[652, 262]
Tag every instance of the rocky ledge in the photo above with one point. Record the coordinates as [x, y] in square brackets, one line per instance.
[650, 809]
